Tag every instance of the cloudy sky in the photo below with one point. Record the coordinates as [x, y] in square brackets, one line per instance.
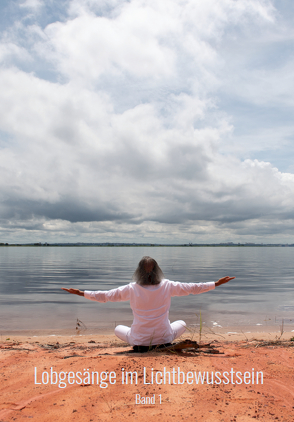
[146, 121]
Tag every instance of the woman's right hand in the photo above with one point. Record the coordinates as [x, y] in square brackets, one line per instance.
[74, 291]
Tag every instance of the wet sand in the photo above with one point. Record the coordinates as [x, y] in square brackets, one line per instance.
[26, 363]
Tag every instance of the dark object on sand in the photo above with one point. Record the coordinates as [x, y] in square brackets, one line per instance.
[186, 345]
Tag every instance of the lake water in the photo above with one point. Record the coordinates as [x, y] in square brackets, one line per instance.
[31, 278]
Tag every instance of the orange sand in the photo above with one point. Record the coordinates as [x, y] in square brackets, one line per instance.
[23, 400]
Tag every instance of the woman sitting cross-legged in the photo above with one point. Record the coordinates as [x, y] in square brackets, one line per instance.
[150, 299]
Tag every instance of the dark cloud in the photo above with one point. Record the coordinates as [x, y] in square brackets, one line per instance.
[66, 209]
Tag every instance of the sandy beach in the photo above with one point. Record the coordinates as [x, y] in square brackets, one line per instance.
[49, 378]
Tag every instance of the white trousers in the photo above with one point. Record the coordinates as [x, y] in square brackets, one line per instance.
[178, 328]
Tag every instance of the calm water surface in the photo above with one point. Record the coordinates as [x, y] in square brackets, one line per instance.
[31, 279]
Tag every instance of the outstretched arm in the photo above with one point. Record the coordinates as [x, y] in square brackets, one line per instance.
[119, 294]
[223, 281]
[74, 291]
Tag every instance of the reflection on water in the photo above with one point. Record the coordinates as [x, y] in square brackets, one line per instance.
[31, 279]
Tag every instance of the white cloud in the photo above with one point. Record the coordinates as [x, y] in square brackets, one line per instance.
[10, 52]
[127, 142]
[146, 40]
[32, 4]
[107, 46]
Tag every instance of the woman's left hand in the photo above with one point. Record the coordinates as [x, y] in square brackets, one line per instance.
[223, 281]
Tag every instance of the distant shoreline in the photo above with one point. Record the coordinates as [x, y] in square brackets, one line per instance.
[183, 245]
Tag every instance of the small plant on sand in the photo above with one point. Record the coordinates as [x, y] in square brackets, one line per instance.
[80, 326]
[244, 335]
[281, 330]
[200, 325]
[282, 327]
[193, 331]
[200, 332]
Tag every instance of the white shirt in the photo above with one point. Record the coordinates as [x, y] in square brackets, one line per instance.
[150, 307]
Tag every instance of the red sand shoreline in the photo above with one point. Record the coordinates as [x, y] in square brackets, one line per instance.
[21, 398]
[241, 332]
